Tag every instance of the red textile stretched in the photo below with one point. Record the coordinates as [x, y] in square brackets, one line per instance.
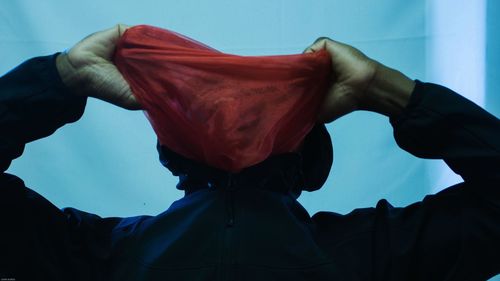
[227, 111]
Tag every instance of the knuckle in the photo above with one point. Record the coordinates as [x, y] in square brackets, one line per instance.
[322, 39]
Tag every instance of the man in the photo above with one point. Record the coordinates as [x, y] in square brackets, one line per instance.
[454, 235]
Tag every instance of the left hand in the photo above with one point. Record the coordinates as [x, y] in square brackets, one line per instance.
[87, 69]
[353, 72]
[360, 83]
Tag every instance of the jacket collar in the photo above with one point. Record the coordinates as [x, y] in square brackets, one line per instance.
[280, 173]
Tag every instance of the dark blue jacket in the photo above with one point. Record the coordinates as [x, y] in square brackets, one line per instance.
[253, 228]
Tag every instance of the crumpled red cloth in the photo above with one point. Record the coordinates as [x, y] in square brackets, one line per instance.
[224, 110]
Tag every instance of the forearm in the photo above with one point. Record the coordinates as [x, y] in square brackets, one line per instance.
[33, 104]
[434, 122]
[438, 123]
[388, 92]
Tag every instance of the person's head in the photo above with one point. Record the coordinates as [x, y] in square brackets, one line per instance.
[229, 113]
[310, 165]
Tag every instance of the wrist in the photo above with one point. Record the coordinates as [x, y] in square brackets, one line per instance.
[389, 91]
[69, 75]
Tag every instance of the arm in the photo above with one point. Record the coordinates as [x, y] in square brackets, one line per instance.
[440, 124]
[455, 234]
[36, 98]
[430, 121]
[33, 104]
[45, 93]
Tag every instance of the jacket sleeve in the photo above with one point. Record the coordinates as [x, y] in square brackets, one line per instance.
[38, 241]
[33, 104]
[454, 234]
[440, 124]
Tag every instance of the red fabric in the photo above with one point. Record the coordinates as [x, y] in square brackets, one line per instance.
[227, 111]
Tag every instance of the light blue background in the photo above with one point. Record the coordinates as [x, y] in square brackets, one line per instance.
[106, 163]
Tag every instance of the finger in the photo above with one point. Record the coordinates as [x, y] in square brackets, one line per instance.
[107, 36]
[132, 103]
[322, 38]
[102, 43]
[317, 45]
[111, 35]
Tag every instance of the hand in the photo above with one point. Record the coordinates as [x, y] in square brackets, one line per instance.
[360, 83]
[87, 69]
[352, 74]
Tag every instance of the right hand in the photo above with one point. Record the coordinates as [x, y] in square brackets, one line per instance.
[352, 75]
[87, 69]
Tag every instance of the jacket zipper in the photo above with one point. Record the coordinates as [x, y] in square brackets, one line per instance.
[226, 271]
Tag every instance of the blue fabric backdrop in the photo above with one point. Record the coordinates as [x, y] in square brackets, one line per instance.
[106, 163]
